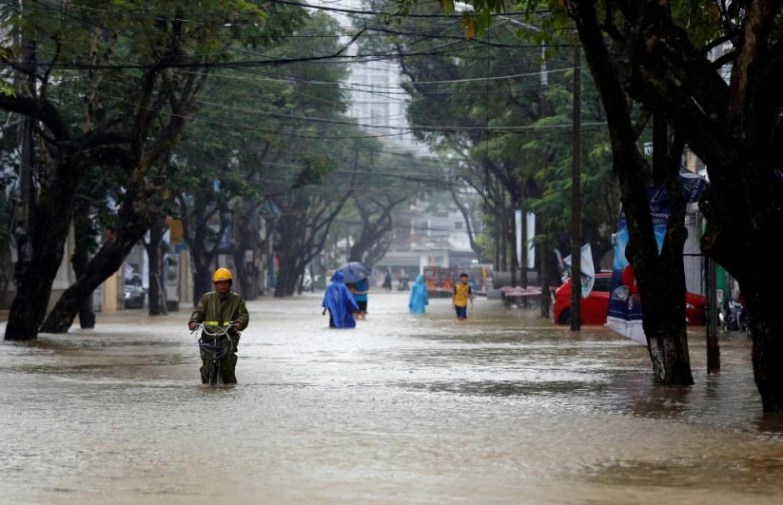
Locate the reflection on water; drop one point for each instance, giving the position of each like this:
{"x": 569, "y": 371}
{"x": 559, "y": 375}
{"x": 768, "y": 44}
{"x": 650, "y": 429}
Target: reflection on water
{"x": 503, "y": 408}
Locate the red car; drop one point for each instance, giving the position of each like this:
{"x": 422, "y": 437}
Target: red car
{"x": 596, "y": 304}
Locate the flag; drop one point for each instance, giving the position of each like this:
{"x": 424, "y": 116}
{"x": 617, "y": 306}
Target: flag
{"x": 587, "y": 268}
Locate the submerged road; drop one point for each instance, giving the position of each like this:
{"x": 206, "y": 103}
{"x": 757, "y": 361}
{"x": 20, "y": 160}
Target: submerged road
{"x": 504, "y": 408}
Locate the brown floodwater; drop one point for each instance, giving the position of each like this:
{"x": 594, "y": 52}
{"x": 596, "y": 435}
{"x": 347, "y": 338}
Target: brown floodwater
{"x": 504, "y": 408}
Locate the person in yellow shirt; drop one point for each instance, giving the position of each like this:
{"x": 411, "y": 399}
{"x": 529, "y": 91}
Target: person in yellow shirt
{"x": 460, "y": 297}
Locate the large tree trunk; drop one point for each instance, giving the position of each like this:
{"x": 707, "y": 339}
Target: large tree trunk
{"x": 663, "y": 306}
{"x": 246, "y": 237}
{"x": 286, "y": 281}
{"x": 303, "y": 229}
{"x": 86, "y": 308}
{"x": 104, "y": 264}
{"x": 202, "y": 283}
{"x": 764, "y": 317}
{"x": 202, "y": 272}
{"x": 50, "y": 221}
{"x": 85, "y": 243}
{"x": 734, "y": 129}
{"x": 202, "y": 256}
{"x": 288, "y": 275}
{"x": 660, "y": 278}
{"x": 744, "y": 252}
{"x": 154, "y": 256}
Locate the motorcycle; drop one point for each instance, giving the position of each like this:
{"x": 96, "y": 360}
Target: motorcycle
{"x": 732, "y": 315}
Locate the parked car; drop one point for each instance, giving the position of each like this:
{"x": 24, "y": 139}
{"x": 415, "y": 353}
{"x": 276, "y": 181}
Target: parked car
{"x": 134, "y": 293}
{"x": 596, "y": 305}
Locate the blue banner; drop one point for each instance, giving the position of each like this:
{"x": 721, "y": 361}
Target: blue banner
{"x": 625, "y": 309}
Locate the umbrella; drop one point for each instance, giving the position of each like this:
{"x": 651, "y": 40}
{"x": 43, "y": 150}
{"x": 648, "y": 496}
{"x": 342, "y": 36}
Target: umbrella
{"x": 355, "y": 271}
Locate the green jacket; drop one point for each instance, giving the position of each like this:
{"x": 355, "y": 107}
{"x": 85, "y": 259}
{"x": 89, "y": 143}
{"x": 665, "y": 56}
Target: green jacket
{"x": 216, "y": 310}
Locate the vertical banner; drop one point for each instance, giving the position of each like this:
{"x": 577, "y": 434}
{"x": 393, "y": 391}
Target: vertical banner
{"x": 587, "y": 268}
{"x": 531, "y": 248}
{"x": 525, "y": 239}
{"x": 625, "y": 309}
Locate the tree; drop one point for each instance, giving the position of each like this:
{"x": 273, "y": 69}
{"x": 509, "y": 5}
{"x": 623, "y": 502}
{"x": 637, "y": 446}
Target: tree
{"x": 133, "y": 95}
{"x": 239, "y": 160}
{"x": 156, "y": 247}
{"x": 497, "y": 106}
{"x": 391, "y": 179}
{"x": 214, "y": 181}
{"x": 8, "y": 166}
{"x": 670, "y": 57}
{"x": 307, "y": 212}
{"x": 92, "y": 216}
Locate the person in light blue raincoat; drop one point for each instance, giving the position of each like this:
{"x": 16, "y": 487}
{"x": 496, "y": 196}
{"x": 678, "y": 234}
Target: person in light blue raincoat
{"x": 419, "y": 298}
{"x": 340, "y": 303}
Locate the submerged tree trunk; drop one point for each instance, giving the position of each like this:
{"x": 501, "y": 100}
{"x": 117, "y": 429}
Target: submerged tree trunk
{"x": 291, "y": 250}
{"x": 286, "y": 278}
{"x": 303, "y": 228}
{"x": 202, "y": 259}
{"x": 246, "y": 248}
{"x": 202, "y": 283}
{"x": 50, "y": 221}
{"x": 85, "y": 243}
{"x": 764, "y": 318}
{"x": 86, "y": 309}
{"x": 663, "y": 305}
{"x": 104, "y": 264}
{"x": 660, "y": 278}
{"x": 154, "y": 255}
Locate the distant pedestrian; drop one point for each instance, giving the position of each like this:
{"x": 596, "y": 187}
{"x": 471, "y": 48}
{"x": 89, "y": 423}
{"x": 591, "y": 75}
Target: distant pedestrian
{"x": 339, "y": 302}
{"x": 419, "y": 297}
{"x": 460, "y": 297}
{"x": 387, "y": 280}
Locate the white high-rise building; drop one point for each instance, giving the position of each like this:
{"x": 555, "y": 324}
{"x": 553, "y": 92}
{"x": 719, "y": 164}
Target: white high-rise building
{"x": 378, "y": 102}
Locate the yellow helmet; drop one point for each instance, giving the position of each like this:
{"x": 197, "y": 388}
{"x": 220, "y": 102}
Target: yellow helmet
{"x": 222, "y": 274}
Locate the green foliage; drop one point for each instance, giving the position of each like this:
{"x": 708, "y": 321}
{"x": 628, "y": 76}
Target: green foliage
{"x": 131, "y": 32}
{"x": 266, "y": 135}
{"x": 483, "y": 101}
{"x": 314, "y": 171}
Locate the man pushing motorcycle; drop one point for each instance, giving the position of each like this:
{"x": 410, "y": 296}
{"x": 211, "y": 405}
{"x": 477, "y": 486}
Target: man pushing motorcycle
{"x": 221, "y": 308}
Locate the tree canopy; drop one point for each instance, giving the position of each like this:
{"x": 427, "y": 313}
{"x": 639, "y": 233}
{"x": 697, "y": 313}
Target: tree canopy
{"x": 712, "y": 72}
{"x": 108, "y": 83}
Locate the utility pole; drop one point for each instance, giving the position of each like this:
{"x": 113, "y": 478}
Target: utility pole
{"x": 545, "y": 255}
{"x": 576, "y": 199}
{"x": 713, "y": 347}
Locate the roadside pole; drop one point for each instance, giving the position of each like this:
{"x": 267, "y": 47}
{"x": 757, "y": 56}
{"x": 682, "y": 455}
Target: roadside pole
{"x": 713, "y": 347}
{"x": 576, "y": 198}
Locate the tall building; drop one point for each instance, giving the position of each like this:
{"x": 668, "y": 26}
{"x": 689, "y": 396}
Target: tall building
{"x": 378, "y": 102}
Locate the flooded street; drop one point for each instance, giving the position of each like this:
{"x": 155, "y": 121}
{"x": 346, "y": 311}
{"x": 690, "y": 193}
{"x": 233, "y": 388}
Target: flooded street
{"x": 501, "y": 409}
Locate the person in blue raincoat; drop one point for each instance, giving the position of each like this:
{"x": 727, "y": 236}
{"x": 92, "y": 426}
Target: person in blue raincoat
{"x": 340, "y": 303}
{"x": 419, "y": 298}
